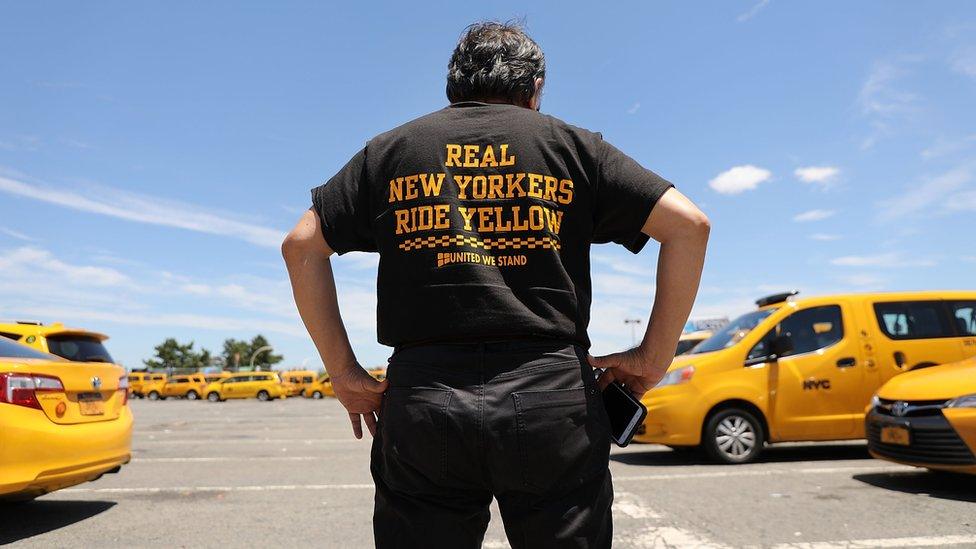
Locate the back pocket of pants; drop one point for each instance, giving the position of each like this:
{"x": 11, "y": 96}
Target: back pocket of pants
{"x": 556, "y": 438}
{"x": 414, "y": 433}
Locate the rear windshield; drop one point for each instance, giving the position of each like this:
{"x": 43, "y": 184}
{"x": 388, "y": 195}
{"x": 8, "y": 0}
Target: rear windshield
{"x": 78, "y": 348}
{"x": 9, "y": 349}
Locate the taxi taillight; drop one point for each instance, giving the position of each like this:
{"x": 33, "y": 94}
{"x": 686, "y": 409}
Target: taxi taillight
{"x": 124, "y": 387}
{"x": 22, "y": 389}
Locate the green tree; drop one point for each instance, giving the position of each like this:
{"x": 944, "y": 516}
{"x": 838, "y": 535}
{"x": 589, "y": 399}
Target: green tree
{"x": 237, "y": 353}
{"x": 173, "y": 354}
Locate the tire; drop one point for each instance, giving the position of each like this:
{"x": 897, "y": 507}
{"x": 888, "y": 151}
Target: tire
{"x": 263, "y": 396}
{"x": 214, "y": 396}
{"x": 733, "y": 436}
{"x": 192, "y": 395}
{"x": 317, "y": 395}
{"x": 153, "y": 395}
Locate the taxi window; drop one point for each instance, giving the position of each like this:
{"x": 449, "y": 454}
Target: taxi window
{"x": 78, "y": 348}
{"x": 913, "y": 319}
{"x": 307, "y": 379}
{"x": 9, "y": 349}
{"x": 810, "y": 329}
{"x": 964, "y": 315}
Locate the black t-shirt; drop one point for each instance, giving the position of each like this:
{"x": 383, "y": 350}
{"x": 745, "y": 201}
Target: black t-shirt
{"x": 483, "y": 216}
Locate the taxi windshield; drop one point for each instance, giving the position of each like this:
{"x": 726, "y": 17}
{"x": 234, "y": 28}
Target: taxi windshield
{"x": 733, "y": 333}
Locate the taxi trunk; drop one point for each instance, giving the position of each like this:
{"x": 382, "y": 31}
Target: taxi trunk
{"x": 61, "y": 423}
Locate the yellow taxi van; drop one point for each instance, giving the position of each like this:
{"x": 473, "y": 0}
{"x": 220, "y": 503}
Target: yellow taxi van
{"x": 74, "y": 344}
{"x": 259, "y": 385}
{"x": 139, "y": 382}
{"x": 297, "y": 381}
{"x": 61, "y": 423}
{"x": 188, "y": 386}
{"x": 799, "y": 369}
{"x": 319, "y": 388}
{"x": 927, "y": 418}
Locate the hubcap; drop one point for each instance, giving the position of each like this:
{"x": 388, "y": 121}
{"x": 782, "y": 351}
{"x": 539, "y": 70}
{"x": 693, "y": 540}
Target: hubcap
{"x": 735, "y": 437}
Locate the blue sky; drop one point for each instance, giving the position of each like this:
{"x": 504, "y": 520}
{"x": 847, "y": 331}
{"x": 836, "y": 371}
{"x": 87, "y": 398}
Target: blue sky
{"x": 152, "y": 156}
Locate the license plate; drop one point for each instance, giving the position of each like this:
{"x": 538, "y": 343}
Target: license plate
{"x": 896, "y": 434}
{"x": 91, "y": 404}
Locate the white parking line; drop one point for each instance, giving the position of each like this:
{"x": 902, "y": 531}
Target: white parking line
{"x": 743, "y": 472}
{"x": 925, "y": 541}
{"x": 225, "y": 459}
{"x": 249, "y": 441}
{"x": 192, "y": 489}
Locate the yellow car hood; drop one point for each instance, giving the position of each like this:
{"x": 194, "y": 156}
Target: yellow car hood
{"x": 935, "y": 383}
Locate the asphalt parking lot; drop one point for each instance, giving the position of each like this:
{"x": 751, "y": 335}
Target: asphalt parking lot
{"x": 246, "y": 473}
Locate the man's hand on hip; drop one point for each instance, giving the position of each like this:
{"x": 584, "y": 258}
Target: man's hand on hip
{"x": 361, "y": 395}
{"x": 635, "y": 369}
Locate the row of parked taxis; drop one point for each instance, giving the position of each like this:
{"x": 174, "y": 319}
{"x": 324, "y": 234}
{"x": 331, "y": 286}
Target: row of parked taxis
{"x": 220, "y": 386}
{"x": 897, "y": 368}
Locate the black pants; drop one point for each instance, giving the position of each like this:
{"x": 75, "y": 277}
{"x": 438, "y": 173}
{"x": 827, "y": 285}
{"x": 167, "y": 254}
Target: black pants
{"x": 522, "y": 422}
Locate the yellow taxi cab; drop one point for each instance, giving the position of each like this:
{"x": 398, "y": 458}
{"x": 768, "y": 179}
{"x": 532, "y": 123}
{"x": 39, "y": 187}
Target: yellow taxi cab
{"x": 802, "y": 369}
{"x": 297, "y": 381}
{"x": 61, "y": 423}
{"x": 319, "y": 388}
{"x": 927, "y": 418}
{"x": 378, "y": 373}
{"x": 260, "y": 385}
{"x": 139, "y": 380}
{"x": 687, "y": 341}
{"x": 188, "y": 386}
{"x": 73, "y": 344}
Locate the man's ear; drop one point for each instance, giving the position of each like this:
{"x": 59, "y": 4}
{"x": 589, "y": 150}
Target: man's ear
{"x": 536, "y": 100}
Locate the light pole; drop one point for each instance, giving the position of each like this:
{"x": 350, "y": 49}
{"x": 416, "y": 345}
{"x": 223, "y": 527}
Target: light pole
{"x": 258, "y": 351}
{"x": 634, "y": 322}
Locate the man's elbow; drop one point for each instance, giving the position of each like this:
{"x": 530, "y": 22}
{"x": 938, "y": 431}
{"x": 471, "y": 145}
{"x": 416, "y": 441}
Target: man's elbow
{"x": 700, "y": 224}
{"x": 297, "y": 245}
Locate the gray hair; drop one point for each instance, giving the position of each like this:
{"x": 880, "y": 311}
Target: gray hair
{"x": 494, "y": 61}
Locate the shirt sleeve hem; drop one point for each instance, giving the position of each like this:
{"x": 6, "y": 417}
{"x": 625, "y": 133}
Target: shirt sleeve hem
{"x": 640, "y": 239}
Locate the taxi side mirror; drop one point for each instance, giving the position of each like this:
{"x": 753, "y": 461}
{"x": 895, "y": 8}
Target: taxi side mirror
{"x": 782, "y": 345}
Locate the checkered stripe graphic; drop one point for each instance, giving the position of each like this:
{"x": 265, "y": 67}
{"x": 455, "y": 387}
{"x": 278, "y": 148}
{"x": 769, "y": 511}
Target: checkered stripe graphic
{"x": 514, "y": 243}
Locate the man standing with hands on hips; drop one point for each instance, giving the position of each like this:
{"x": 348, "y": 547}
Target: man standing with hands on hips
{"x": 483, "y": 214}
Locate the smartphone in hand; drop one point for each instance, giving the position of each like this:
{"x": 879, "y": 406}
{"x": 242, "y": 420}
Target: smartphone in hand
{"x": 626, "y": 413}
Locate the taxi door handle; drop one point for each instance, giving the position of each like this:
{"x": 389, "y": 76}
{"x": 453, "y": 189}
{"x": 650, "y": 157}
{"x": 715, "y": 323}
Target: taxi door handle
{"x": 846, "y": 362}
{"x": 900, "y": 359}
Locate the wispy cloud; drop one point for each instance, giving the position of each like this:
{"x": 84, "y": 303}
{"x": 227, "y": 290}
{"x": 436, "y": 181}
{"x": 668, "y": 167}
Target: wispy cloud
{"x": 882, "y": 101}
{"x": 944, "y": 147}
{"x": 813, "y": 215}
{"x": 824, "y": 176}
{"x": 931, "y": 192}
{"x": 885, "y": 260}
{"x": 148, "y": 209}
{"x": 753, "y": 11}
{"x": 634, "y": 108}
{"x": 964, "y": 62}
{"x": 825, "y": 237}
{"x": 33, "y": 262}
{"x": 740, "y": 179}
{"x": 20, "y": 143}
{"x": 17, "y": 234}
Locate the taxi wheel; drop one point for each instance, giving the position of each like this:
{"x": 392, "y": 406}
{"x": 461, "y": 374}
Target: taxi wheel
{"x": 264, "y": 396}
{"x": 153, "y": 395}
{"x": 317, "y": 395}
{"x": 733, "y": 436}
{"x": 213, "y": 397}
{"x": 192, "y": 395}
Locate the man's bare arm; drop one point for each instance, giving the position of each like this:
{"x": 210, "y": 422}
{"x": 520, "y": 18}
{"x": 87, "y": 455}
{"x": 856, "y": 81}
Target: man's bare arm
{"x": 682, "y": 229}
{"x": 306, "y": 255}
